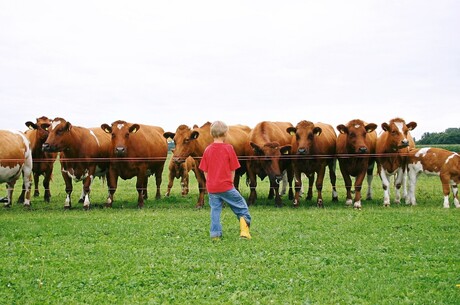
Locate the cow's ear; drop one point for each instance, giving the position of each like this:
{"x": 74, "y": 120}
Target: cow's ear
{"x": 106, "y": 128}
{"x": 411, "y": 125}
{"x": 195, "y": 134}
{"x": 385, "y": 126}
{"x": 371, "y": 127}
{"x": 68, "y": 126}
{"x": 257, "y": 150}
{"x": 286, "y": 150}
{"x": 31, "y": 125}
{"x": 134, "y": 128}
{"x": 342, "y": 128}
{"x": 317, "y": 131}
{"x": 291, "y": 130}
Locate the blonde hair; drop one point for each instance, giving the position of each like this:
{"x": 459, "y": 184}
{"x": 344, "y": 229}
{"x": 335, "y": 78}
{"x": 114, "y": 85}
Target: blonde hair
{"x": 218, "y": 129}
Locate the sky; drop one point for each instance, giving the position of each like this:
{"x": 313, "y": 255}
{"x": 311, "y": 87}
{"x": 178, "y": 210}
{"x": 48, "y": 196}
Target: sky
{"x": 167, "y": 63}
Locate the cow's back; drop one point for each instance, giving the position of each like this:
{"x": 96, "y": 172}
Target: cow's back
{"x": 266, "y": 132}
{"x": 238, "y": 137}
{"x": 149, "y": 142}
{"x": 14, "y": 153}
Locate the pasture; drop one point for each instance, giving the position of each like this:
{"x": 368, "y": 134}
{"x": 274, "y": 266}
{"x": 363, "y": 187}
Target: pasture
{"x": 162, "y": 254}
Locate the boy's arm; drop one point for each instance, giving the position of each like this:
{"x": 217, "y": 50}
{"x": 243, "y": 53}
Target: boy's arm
{"x": 233, "y": 175}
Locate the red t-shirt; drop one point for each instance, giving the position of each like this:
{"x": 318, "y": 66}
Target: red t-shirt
{"x": 219, "y": 160}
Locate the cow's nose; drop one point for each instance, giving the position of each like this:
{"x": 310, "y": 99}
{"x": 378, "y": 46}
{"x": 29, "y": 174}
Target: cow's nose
{"x": 46, "y": 147}
{"x": 363, "y": 149}
{"x": 119, "y": 150}
{"x": 278, "y": 179}
{"x": 405, "y": 142}
{"x": 302, "y": 150}
{"x": 178, "y": 160}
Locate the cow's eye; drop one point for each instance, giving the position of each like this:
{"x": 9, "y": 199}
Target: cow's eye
{"x": 113, "y": 136}
{"x": 126, "y": 135}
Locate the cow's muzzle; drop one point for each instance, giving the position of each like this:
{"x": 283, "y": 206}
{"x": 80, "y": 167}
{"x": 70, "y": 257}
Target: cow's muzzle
{"x": 46, "y": 147}
{"x": 120, "y": 151}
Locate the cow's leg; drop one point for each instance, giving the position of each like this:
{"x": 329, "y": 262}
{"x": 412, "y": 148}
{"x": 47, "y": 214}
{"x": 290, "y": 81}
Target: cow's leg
{"x": 46, "y": 186}
{"x": 348, "y": 184}
{"x": 319, "y": 185}
{"x": 455, "y": 193}
{"x": 23, "y": 192}
{"x": 140, "y": 187}
{"x": 158, "y": 180}
{"x": 171, "y": 178}
{"x": 311, "y": 181}
{"x": 68, "y": 190}
{"x": 290, "y": 175}
{"x": 399, "y": 180}
{"x": 9, "y": 193}
{"x": 36, "y": 180}
{"x": 184, "y": 183}
{"x": 358, "y": 185}
{"x": 252, "y": 186}
{"x": 284, "y": 183}
{"x": 385, "y": 185}
{"x": 445, "y": 189}
{"x": 412, "y": 177}
{"x": 370, "y": 177}
{"x": 201, "y": 188}
{"x": 112, "y": 182}
{"x": 332, "y": 175}
{"x": 86, "y": 191}
{"x": 297, "y": 186}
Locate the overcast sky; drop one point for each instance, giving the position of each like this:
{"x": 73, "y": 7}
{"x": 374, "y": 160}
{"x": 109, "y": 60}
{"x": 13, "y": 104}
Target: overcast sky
{"x": 168, "y": 63}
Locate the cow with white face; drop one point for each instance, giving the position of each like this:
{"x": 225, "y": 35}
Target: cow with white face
{"x": 435, "y": 161}
{"x": 392, "y": 147}
{"x": 355, "y": 147}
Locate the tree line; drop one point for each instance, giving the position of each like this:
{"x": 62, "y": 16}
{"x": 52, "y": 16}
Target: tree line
{"x": 449, "y": 136}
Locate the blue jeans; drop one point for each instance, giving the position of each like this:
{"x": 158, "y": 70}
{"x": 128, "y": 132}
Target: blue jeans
{"x": 236, "y": 202}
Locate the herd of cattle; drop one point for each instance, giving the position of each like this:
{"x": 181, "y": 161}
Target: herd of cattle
{"x": 277, "y": 150}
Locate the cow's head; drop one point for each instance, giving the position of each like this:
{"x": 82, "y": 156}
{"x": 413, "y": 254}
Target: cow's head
{"x": 42, "y": 133}
{"x": 269, "y": 156}
{"x": 185, "y": 142}
{"x": 59, "y": 137}
{"x": 121, "y": 132}
{"x": 398, "y": 133}
{"x": 356, "y": 132}
{"x": 305, "y": 133}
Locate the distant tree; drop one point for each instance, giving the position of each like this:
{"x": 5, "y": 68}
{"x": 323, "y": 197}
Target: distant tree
{"x": 449, "y": 136}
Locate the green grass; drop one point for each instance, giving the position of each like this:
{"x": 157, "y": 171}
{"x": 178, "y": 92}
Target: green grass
{"x": 163, "y": 255}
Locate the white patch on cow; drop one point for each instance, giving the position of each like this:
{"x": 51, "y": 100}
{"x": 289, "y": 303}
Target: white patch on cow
{"x": 97, "y": 140}
{"x": 357, "y": 126}
{"x": 8, "y": 174}
{"x": 67, "y": 201}
{"x": 446, "y": 202}
{"x": 400, "y": 126}
{"x": 120, "y": 126}
{"x": 451, "y": 157}
{"x": 54, "y": 124}
{"x": 422, "y": 152}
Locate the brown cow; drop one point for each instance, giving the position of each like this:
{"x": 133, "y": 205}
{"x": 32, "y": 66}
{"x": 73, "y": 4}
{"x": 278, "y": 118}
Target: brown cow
{"x": 43, "y": 162}
{"x": 83, "y": 155}
{"x": 139, "y": 151}
{"x": 392, "y": 146}
{"x": 180, "y": 171}
{"x": 355, "y": 144}
{"x": 314, "y": 146}
{"x": 435, "y": 161}
{"x": 193, "y": 142}
{"x": 270, "y": 143}
{"x": 15, "y": 159}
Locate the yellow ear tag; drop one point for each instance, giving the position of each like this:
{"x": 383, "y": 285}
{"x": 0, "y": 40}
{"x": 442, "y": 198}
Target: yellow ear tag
{"x": 292, "y": 133}
{"x": 134, "y": 130}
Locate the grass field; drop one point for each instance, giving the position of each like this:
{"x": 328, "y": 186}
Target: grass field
{"x": 162, "y": 254}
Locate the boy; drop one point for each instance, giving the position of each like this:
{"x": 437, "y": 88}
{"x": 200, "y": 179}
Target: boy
{"x": 219, "y": 163}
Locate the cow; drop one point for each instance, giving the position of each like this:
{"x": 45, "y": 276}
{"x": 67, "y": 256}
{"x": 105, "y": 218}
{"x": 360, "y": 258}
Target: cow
{"x": 139, "y": 151}
{"x": 270, "y": 145}
{"x": 314, "y": 149}
{"x": 180, "y": 171}
{"x": 435, "y": 161}
{"x": 83, "y": 155}
{"x": 43, "y": 162}
{"x": 391, "y": 149}
{"x": 15, "y": 160}
{"x": 355, "y": 147}
{"x": 193, "y": 142}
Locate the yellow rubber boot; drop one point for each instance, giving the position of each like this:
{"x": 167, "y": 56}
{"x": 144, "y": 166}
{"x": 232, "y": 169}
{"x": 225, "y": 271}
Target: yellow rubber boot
{"x": 244, "y": 229}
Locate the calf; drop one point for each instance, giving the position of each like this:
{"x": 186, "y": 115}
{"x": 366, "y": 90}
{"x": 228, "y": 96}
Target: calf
{"x": 268, "y": 157}
{"x": 136, "y": 151}
{"x": 435, "y": 161}
{"x": 84, "y": 155}
{"x": 43, "y": 162}
{"x": 180, "y": 171}
{"x": 15, "y": 159}
{"x": 193, "y": 142}
{"x": 392, "y": 146}
{"x": 314, "y": 146}
{"x": 355, "y": 145}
